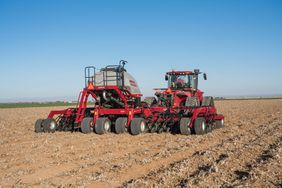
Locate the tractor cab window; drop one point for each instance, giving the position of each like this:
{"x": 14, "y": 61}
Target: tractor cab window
{"x": 181, "y": 81}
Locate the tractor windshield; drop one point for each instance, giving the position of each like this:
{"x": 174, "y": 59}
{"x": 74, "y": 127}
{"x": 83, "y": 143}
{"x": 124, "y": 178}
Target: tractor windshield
{"x": 181, "y": 81}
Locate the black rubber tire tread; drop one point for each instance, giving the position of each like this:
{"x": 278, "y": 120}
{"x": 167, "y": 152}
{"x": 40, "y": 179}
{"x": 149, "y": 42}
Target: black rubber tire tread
{"x": 184, "y": 126}
{"x": 46, "y": 125}
{"x": 100, "y": 125}
{"x": 192, "y": 102}
{"x": 120, "y": 125}
{"x": 208, "y": 101}
{"x": 38, "y": 126}
{"x": 135, "y": 127}
{"x": 150, "y": 101}
{"x": 198, "y": 126}
{"x": 219, "y": 124}
{"x": 86, "y": 125}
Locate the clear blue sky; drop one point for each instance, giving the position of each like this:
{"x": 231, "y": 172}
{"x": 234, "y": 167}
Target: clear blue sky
{"x": 44, "y": 45}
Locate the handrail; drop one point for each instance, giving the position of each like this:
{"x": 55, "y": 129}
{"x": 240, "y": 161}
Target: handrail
{"x": 88, "y": 76}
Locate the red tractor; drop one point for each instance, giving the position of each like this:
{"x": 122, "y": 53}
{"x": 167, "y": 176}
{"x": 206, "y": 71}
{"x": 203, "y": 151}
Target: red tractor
{"x": 117, "y": 106}
{"x": 182, "y": 107}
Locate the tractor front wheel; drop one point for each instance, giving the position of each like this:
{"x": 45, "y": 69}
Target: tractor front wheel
{"x": 137, "y": 126}
{"x": 219, "y": 123}
{"x": 102, "y": 126}
{"x": 49, "y": 125}
{"x": 200, "y": 126}
{"x": 87, "y": 125}
{"x": 120, "y": 125}
{"x": 184, "y": 126}
{"x": 38, "y": 128}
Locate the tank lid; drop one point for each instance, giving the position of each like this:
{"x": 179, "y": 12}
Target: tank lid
{"x": 114, "y": 69}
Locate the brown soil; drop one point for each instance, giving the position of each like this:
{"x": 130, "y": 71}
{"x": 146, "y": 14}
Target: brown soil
{"x": 246, "y": 152}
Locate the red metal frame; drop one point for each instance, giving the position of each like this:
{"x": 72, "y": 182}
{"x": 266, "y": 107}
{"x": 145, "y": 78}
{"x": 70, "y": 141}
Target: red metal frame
{"x": 151, "y": 114}
{"x": 124, "y": 94}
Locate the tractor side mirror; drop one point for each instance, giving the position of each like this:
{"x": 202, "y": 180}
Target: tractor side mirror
{"x": 166, "y": 77}
{"x": 205, "y": 76}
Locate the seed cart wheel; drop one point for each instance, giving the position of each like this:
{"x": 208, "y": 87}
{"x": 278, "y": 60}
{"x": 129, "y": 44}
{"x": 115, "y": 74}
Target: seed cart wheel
{"x": 200, "y": 125}
{"x": 120, "y": 125}
{"x": 137, "y": 126}
{"x": 102, "y": 126}
{"x": 49, "y": 125}
{"x": 184, "y": 126}
{"x": 219, "y": 123}
{"x": 87, "y": 125}
{"x": 38, "y": 128}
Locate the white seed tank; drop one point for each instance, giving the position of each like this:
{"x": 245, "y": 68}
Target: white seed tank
{"x": 116, "y": 77}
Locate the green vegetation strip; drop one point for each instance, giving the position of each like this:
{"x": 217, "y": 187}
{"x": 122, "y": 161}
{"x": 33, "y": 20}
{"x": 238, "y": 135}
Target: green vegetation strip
{"x": 27, "y": 105}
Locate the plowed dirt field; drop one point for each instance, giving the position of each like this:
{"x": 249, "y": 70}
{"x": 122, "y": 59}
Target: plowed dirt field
{"x": 246, "y": 152}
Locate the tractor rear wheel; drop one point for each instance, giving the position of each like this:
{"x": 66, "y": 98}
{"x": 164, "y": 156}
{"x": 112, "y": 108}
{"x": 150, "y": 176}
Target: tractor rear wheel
{"x": 137, "y": 126}
{"x": 208, "y": 101}
{"x": 200, "y": 126}
{"x": 184, "y": 126}
{"x": 87, "y": 125}
{"x": 120, "y": 125}
{"x": 49, "y": 125}
{"x": 219, "y": 123}
{"x": 38, "y": 128}
{"x": 102, "y": 126}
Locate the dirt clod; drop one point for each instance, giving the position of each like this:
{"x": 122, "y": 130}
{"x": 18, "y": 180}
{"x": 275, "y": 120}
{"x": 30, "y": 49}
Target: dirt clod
{"x": 241, "y": 175}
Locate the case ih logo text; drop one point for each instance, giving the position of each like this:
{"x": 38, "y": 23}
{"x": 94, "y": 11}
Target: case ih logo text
{"x": 132, "y": 83}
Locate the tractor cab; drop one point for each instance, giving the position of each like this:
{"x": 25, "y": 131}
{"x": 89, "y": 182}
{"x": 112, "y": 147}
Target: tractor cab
{"x": 183, "y": 80}
{"x": 180, "y": 80}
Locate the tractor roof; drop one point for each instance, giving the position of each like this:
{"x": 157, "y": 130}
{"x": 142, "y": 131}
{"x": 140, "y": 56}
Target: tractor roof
{"x": 180, "y": 72}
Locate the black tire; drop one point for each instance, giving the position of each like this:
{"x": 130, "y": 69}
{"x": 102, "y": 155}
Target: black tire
{"x": 150, "y": 101}
{"x": 49, "y": 125}
{"x": 192, "y": 102}
{"x": 102, "y": 125}
{"x": 219, "y": 123}
{"x": 200, "y": 126}
{"x": 184, "y": 126}
{"x": 208, "y": 101}
{"x": 137, "y": 126}
{"x": 120, "y": 125}
{"x": 38, "y": 128}
{"x": 87, "y": 125}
